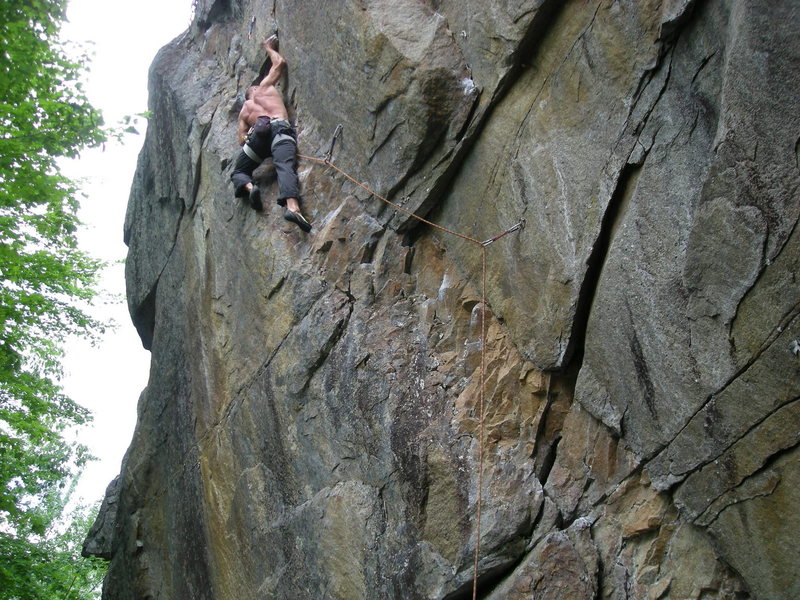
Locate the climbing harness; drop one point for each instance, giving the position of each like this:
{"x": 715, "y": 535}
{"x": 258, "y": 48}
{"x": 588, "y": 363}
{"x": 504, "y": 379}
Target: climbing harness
{"x": 327, "y": 161}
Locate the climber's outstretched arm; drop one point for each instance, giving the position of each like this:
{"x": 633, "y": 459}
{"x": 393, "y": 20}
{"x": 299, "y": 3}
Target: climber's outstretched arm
{"x": 278, "y": 63}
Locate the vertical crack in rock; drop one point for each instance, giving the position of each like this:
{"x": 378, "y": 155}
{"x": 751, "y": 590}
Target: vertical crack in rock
{"x": 797, "y": 154}
{"x": 624, "y": 190}
{"x": 480, "y": 113}
{"x": 328, "y": 345}
{"x": 198, "y": 163}
{"x": 144, "y": 313}
{"x": 529, "y": 45}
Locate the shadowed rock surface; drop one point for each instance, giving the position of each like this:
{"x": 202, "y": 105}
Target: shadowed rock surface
{"x": 310, "y": 427}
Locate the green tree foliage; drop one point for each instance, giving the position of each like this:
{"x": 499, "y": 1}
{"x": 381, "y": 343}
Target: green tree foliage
{"x": 45, "y": 280}
{"x": 46, "y": 564}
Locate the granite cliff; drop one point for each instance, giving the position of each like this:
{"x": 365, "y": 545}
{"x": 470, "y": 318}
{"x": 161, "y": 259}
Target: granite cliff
{"x": 310, "y": 428}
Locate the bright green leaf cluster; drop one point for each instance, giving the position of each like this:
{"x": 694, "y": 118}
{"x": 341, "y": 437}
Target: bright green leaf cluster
{"x": 45, "y": 280}
{"x": 44, "y": 561}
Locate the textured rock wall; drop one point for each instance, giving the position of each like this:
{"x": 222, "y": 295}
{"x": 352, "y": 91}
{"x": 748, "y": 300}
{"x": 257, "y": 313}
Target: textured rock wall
{"x": 310, "y": 428}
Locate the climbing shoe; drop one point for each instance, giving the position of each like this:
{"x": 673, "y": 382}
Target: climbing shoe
{"x": 255, "y": 198}
{"x": 298, "y": 219}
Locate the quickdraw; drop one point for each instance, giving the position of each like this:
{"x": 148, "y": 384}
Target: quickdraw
{"x": 518, "y": 226}
{"x": 337, "y": 132}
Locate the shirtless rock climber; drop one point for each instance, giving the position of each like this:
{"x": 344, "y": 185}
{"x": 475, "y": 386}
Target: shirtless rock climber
{"x": 264, "y": 130}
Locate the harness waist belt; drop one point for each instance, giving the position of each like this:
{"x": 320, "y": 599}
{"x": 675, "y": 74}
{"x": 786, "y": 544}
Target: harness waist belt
{"x": 251, "y": 154}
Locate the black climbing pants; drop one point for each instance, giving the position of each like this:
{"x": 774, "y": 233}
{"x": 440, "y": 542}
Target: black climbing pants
{"x": 269, "y": 137}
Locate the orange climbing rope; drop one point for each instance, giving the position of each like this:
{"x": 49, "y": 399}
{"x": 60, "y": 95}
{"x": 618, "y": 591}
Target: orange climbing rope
{"x": 480, "y": 426}
{"x": 328, "y": 163}
{"x": 481, "y": 397}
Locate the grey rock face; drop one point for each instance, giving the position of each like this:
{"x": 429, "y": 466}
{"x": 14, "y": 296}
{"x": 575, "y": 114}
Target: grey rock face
{"x": 311, "y": 427}
{"x": 99, "y": 540}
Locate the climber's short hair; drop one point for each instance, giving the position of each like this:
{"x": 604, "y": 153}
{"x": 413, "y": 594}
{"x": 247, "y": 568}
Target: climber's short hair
{"x": 250, "y": 91}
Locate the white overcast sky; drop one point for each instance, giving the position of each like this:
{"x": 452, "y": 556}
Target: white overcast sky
{"x": 108, "y": 378}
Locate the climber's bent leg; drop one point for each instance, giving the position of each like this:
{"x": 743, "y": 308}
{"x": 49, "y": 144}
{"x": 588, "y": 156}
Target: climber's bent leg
{"x": 242, "y": 176}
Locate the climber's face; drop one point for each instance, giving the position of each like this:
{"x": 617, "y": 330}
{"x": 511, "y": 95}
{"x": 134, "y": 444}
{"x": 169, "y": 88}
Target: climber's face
{"x": 250, "y": 91}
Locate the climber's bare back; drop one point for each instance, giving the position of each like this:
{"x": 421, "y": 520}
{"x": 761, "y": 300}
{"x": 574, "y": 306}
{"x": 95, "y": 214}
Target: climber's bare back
{"x": 265, "y": 102}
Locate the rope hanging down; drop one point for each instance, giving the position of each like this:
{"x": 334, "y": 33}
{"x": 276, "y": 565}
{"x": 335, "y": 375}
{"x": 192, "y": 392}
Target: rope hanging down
{"x": 481, "y": 397}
